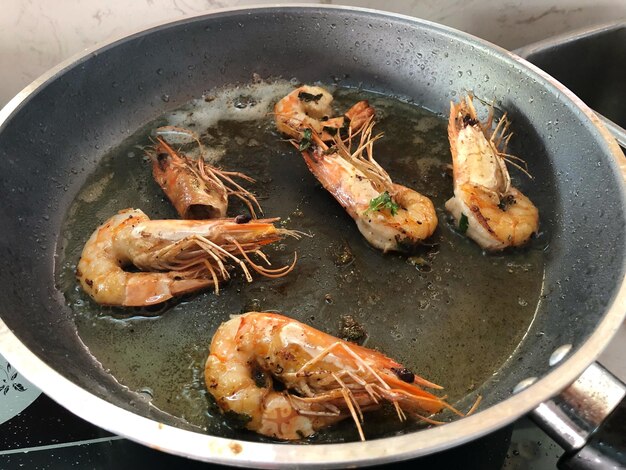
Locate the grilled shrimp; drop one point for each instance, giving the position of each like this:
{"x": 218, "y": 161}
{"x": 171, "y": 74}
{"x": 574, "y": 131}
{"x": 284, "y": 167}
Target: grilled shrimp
{"x": 177, "y": 256}
{"x": 196, "y": 189}
{"x": 390, "y": 216}
{"x": 322, "y": 379}
{"x": 309, "y": 107}
{"x": 485, "y": 205}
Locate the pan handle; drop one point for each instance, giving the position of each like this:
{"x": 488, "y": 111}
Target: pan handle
{"x": 619, "y": 133}
{"x": 588, "y": 420}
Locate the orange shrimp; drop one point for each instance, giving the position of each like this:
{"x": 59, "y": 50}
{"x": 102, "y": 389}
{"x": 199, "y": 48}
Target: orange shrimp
{"x": 309, "y": 107}
{"x": 390, "y": 216}
{"x": 176, "y": 256}
{"x": 196, "y": 189}
{"x": 323, "y": 379}
{"x": 485, "y": 205}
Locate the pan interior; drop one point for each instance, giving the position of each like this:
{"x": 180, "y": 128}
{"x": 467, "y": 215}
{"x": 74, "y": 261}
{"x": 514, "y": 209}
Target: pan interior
{"x": 449, "y": 312}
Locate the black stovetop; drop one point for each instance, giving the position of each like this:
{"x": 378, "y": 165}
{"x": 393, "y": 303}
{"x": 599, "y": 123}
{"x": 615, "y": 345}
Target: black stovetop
{"x": 46, "y": 436}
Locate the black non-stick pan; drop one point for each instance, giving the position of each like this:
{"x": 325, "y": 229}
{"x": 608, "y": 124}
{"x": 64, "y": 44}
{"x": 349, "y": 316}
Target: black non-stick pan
{"x": 516, "y": 327}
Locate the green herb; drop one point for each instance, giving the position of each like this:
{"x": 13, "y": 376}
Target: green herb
{"x": 308, "y": 97}
{"x": 463, "y": 223}
{"x": 305, "y": 143}
{"x": 383, "y": 201}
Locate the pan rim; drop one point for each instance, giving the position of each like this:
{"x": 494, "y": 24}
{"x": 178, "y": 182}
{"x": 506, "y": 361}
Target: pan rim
{"x": 245, "y": 453}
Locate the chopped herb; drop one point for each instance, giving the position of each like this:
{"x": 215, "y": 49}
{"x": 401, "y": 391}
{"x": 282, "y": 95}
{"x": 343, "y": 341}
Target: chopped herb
{"x": 463, "y": 223}
{"x": 308, "y": 97}
{"x": 305, "y": 143}
{"x": 383, "y": 201}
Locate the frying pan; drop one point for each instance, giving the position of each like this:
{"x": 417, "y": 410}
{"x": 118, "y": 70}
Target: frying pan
{"x": 55, "y": 132}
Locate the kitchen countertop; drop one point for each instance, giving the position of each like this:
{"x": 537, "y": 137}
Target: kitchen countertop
{"x": 37, "y": 34}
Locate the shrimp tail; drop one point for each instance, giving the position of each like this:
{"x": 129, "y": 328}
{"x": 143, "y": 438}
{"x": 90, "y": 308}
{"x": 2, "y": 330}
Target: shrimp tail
{"x": 145, "y": 290}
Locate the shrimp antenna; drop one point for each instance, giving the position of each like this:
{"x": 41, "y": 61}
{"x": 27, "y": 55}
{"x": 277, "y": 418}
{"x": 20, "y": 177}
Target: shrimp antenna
{"x": 523, "y": 168}
{"x": 271, "y": 273}
{"x": 474, "y": 407}
{"x": 489, "y": 104}
{"x": 369, "y": 166}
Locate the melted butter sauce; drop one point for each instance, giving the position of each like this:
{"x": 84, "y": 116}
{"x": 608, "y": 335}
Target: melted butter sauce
{"x": 449, "y": 313}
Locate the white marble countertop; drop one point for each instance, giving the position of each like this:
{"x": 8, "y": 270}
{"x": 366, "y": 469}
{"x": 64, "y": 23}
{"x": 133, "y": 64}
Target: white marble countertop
{"x": 37, "y": 34}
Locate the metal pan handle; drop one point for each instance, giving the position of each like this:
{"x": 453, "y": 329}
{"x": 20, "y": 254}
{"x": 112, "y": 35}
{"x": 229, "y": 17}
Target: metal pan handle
{"x": 588, "y": 420}
{"x": 618, "y": 132}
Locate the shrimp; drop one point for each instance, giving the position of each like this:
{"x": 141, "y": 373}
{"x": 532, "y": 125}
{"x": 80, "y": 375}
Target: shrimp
{"x": 322, "y": 379}
{"x": 390, "y": 216}
{"x": 309, "y": 107}
{"x": 196, "y": 189}
{"x": 485, "y": 205}
{"x": 177, "y": 256}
